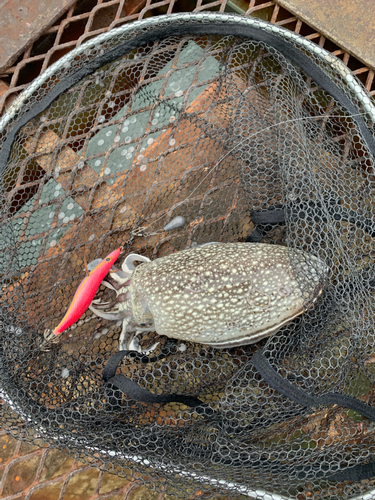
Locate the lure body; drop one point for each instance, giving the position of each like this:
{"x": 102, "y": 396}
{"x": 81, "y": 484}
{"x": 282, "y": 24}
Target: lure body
{"x": 86, "y": 292}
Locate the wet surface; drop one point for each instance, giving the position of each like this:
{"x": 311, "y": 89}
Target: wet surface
{"x": 22, "y": 21}
{"x": 33, "y": 473}
{"x": 346, "y": 22}
{"x": 49, "y": 474}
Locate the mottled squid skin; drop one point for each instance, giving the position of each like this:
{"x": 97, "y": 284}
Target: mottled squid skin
{"x": 222, "y": 295}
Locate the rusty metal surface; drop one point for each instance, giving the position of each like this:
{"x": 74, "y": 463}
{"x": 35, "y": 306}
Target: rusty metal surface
{"x": 87, "y": 18}
{"x": 32, "y": 472}
{"x": 22, "y": 21}
{"x": 29, "y": 472}
{"x": 349, "y": 23}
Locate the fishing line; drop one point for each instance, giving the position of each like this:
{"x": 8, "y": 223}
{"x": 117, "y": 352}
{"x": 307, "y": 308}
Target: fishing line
{"x": 224, "y": 156}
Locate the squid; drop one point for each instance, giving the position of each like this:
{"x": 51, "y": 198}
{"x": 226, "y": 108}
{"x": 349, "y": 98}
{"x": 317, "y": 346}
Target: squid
{"x": 219, "y": 294}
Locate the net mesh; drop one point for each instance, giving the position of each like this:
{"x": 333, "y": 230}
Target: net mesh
{"x": 211, "y": 128}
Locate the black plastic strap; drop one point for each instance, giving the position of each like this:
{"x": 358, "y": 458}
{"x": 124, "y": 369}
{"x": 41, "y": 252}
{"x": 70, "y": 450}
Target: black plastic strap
{"x": 138, "y": 393}
{"x": 256, "y": 236}
{"x": 259, "y": 233}
{"x": 273, "y": 215}
{"x": 275, "y": 380}
{"x": 356, "y": 473}
{"x": 313, "y": 211}
{"x": 110, "y": 368}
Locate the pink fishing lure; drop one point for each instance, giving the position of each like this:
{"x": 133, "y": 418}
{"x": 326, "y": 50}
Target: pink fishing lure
{"x": 86, "y": 292}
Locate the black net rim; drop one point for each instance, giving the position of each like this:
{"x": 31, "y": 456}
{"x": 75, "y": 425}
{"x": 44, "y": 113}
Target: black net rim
{"x": 160, "y": 26}
{"x": 329, "y": 62}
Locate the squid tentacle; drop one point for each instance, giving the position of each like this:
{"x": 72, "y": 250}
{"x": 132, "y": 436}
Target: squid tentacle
{"x": 128, "y": 265}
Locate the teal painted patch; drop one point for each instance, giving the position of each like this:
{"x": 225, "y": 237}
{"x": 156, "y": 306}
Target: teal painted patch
{"x": 28, "y": 253}
{"x": 105, "y": 158}
{"x": 42, "y": 220}
{"x": 121, "y": 158}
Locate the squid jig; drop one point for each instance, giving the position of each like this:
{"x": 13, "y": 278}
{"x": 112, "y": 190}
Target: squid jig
{"x": 82, "y": 298}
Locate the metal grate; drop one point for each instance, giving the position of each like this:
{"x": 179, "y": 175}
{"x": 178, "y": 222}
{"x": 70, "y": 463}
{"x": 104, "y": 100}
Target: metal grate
{"x": 88, "y": 18}
{"x": 28, "y": 177}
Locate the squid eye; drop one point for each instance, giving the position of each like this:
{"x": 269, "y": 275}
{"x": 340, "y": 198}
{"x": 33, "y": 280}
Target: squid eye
{"x": 107, "y": 259}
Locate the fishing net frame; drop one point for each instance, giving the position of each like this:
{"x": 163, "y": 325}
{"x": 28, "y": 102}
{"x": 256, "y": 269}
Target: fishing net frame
{"x": 52, "y": 422}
